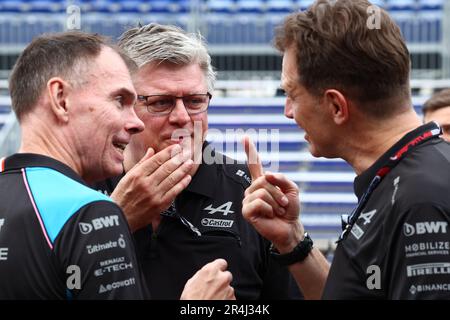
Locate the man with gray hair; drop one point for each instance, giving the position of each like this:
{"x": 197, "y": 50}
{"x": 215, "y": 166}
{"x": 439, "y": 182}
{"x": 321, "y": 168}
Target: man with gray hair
{"x": 59, "y": 239}
{"x": 188, "y": 213}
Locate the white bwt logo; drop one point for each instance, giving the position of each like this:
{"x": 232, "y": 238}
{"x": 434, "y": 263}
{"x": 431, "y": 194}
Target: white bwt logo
{"x": 99, "y": 223}
{"x": 425, "y": 227}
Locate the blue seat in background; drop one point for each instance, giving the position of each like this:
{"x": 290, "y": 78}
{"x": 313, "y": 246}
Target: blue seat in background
{"x": 135, "y": 6}
{"x": 221, "y": 6}
{"x": 401, "y": 5}
{"x": 14, "y": 6}
{"x": 431, "y": 4}
{"x": 251, "y": 6}
{"x": 280, "y": 6}
{"x": 47, "y": 6}
{"x": 184, "y": 6}
{"x": 304, "y": 4}
{"x": 105, "y": 6}
{"x": 164, "y": 6}
{"x": 379, "y": 3}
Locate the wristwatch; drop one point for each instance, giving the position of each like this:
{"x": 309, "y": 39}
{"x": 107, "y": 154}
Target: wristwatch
{"x": 298, "y": 254}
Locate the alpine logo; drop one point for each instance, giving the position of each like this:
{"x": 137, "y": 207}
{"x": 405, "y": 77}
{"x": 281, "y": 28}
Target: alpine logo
{"x": 425, "y": 227}
{"x": 224, "y": 208}
{"x": 221, "y": 223}
{"x": 99, "y": 223}
{"x": 367, "y": 216}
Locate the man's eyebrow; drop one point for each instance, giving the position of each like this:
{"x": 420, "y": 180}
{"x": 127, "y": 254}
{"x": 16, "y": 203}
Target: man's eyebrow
{"x": 286, "y": 86}
{"x": 125, "y": 92}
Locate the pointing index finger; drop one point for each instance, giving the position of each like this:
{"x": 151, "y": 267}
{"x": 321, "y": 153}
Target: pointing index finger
{"x": 253, "y": 161}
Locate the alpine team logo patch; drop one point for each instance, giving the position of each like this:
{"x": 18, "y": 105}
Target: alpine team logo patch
{"x": 225, "y": 208}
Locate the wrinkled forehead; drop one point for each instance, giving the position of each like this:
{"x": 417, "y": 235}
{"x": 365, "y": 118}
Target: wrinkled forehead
{"x": 162, "y": 76}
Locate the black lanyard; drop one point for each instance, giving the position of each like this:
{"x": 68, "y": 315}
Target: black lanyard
{"x": 349, "y": 221}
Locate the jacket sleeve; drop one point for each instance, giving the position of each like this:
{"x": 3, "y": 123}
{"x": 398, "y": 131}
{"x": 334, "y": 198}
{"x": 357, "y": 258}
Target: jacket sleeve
{"x": 278, "y": 283}
{"x": 96, "y": 255}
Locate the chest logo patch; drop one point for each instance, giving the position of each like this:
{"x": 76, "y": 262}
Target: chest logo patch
{"x": 225, "y": 208}
{"x": 221, "y": 223}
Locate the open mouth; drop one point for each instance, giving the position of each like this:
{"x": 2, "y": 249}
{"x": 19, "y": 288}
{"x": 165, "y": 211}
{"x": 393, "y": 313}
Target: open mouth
{"x": 120, "y": 146}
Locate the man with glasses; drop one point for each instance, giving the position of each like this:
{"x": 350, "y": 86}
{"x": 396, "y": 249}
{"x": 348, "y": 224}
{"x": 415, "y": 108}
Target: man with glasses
{"x": 73, "y": 96}
{"x": 185, "y": 210}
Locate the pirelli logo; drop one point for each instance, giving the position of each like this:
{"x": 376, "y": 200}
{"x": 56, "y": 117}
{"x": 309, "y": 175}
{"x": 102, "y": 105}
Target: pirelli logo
{"x": 428, "y": 269}
{"x": 221, "y": 223}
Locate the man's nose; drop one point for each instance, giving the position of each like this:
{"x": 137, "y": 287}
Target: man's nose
{"x": 134, "y": 124}
{"x": 288, "y": 110}
{"x": 179, "y": 113}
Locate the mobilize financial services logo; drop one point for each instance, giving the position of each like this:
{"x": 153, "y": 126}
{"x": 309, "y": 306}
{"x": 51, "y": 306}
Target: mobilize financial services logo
{"x": 99, "y": 223}
{"x": 425, "y": 227}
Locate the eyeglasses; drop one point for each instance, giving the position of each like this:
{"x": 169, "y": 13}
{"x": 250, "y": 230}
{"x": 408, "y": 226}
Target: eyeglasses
{"x": 163, "y": 104}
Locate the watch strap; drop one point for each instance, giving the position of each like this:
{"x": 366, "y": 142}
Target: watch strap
{"x": 298, "y": 254}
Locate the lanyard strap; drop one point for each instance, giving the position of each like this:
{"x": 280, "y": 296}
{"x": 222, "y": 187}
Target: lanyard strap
{"x": 349, "y": 221}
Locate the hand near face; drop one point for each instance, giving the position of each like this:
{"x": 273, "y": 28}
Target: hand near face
{"x": 212, "y": 282}
{"x": 271, "y": 204}
{"x": 152, "y": 184}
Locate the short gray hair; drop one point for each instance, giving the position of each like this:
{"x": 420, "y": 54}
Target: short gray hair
{"x": 167, "y": 43}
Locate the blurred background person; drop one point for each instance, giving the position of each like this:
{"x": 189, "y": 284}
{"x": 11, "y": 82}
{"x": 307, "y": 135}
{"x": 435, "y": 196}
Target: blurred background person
{"x": 437, "y": 108}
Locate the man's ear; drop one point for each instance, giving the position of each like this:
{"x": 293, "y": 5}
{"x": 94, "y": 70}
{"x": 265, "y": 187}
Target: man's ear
{"x": 57, "y": 90}
{"x": 338, "y": 106}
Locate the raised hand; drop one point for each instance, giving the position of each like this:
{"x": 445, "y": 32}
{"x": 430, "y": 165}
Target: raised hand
{"x": 152, "y": 184}
{"x": 271, "y": 204}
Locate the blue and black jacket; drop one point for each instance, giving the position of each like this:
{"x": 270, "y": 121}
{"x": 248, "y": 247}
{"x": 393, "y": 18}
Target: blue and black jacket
{"x": 59, "y": 239}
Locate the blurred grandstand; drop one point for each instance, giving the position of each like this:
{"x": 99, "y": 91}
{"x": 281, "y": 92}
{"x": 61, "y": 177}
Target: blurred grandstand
{"x": 239, "y": 34}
